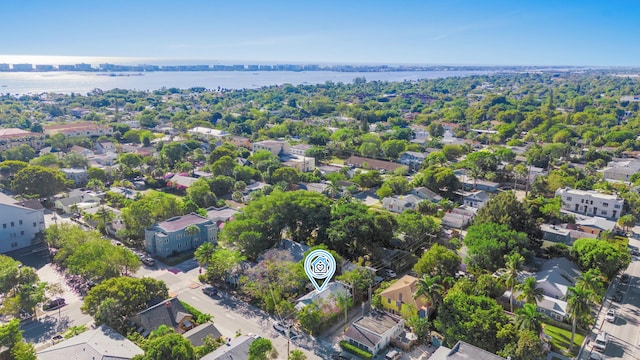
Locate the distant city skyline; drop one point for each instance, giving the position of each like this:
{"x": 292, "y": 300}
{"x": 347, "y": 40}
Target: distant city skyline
{"x": 428, "y": 32}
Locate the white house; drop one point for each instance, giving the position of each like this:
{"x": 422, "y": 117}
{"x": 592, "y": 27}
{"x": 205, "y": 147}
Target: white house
{"x": 273, "y": 146}
{"x": 399, "y": 204}
{"x": 332, "y": 290}
{"x": 105, "y": 147}
{"x": 620, "y": 170}
{"x": 475, "y": 199}
{"x": 374, "y": 331}
{"x": 20, "y": 222}
{"x": 78, "y": 176}
{"x": 592, "y": 203}
{"x": 207, "y": 133}
{"x": 426, "y": 194}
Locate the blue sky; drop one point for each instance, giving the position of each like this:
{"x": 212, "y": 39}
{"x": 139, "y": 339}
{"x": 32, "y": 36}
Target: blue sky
{"x": 515, "y": 32}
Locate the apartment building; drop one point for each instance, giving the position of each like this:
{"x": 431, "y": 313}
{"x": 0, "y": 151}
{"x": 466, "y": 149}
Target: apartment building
{"x": 591, "y": 202}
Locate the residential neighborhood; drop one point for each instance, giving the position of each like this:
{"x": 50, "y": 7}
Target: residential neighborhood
{"x": 191, "y": 228}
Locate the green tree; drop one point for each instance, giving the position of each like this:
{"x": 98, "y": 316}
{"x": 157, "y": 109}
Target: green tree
{"x": 417, "y": 228}
{"x": 203, "y": 254}
{"x": 528, "y": 318}
{"x": 431, "y": 289}
{"x": 191, "y": 231}
{"x": 130, "y": 160}
{"x": 488, "y": 243}
{"x": 11, "y": 338}
{"x": 627, "y": 221}
{"x": 609, "y": 258}
{"x": 169, "y": 346}
{"x": 128, "y": 296}
{"x": 75, "y": 160}
{"x": 368, "y": 179}
{"x": 96, "y": 173}
{"x": 513, "y": 265}
{"x": 260, "y": 349}
{"x": 505, "y": 208}
{"x": 222, "y": 262}
{"x": 95, "y": 184}
{"x": 393, "y": 148}
{"x": 224, "y": 166}
{"x": 201, "y": 193}
{"x": 438, "y": 260}
{"x": 310, "y": 318}
{"x": 439, "y": 179}
{"x": 529, "y": 291}
{"x": 38, "y": 180}
{"x": 297, "y": 355}
{"x": 474, "y": 319}
{"x": 172, "y": 153}
{"x": 577, "y": 307}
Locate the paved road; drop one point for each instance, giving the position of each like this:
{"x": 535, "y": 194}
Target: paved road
{"x": 625, "y": 331}
{"x": 230, "y": 314}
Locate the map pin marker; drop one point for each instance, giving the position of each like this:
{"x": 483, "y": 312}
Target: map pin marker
{"x": 319, "y": 265}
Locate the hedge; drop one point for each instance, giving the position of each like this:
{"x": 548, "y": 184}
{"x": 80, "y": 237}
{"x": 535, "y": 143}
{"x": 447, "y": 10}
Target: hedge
{"x": 355, "y": 350}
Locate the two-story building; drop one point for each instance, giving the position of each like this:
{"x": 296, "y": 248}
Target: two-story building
{"x": 413, "y": 159}
{"x": 79, "y": 176}
{"x": 475, "y": 199}
{"x": 591, "y": 202}
{"x": 20, "y": 223}
{"x": 399, "y": 204}
{"x": 12, "y": 137}
{"x": 273, "y": 146}
{"x": 171, "y": 236}
{"x": 398, "y": 298}
{"x": 79, "y": 129}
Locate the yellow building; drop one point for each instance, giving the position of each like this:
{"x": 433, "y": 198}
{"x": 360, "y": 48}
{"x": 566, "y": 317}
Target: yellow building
{"x": 398, "y": 298}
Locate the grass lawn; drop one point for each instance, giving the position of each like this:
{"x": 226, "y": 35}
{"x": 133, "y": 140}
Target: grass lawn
{"x": 560, "y": 339}
{"x": 335, "y": 160}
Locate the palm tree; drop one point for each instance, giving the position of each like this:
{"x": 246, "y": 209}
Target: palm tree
{"x": 95, "y": 184}
{"x": 104, "y": 216}
{"x": 591, "y": 280}
{"x": 192, "y": 230}
{"x": 333, "y": 189}
{"x": 577, "y": 306}
{"x": 430, "y": 288}
{"x": 203, "y": 254}
{"x": 529, "y": 291}
{"x": 512, "y": 268}
{"x": 528, "y": 318}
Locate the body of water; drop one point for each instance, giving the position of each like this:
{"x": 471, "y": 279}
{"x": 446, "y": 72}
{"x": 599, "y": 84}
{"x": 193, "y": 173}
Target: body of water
{"x": 81, "y": 82}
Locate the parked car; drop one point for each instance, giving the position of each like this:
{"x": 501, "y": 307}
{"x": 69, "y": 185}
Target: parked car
{"x": 390, "y": 273}
{"x": 210, "y": 290}
{"x": 149, "y": 261}
{"x": 602, "y": 340}
{"x": 611, "y": 315}
{"x": 624, "y": 279}
{"x": 618, "y": 296}
{"x": 282, "y": 327}
{"x": 595, "y": 356}
{"x": 53, "y": 304}
{"x": 57, "y": 338}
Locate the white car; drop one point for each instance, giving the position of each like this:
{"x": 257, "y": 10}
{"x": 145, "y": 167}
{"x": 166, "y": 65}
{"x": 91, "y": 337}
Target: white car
{"x": 611, "y": 315}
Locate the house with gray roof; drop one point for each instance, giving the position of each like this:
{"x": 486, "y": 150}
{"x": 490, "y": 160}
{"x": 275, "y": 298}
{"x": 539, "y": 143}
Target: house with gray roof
{"x": 426, "y": 194}
{"x": 374, "y": 331}
{"x": 102, "y": 343}
{"x": 237, "y": 348}
{"x": 475, "y": 199}
{"x": 329, "y": 293}
{"x": 198, "y": 334}
{"x": 170, "y": 236}
{"x": 399, "y": 204}
{"x": 169, "y": 312}
{"x": 463, "y": 351}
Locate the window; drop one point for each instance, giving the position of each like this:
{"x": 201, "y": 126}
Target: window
{"x": 616, "y": 206}
{"x": 12, "y": 224}
{"x": 605, "y": 204}
{"x": 603, "y": 212}
{"x": 22, "y": 233}
{"x": 581, "y": 201}
{"x": 569, "y": 198}
{"x": 14, "y": 244}
{"x": 388, "y": 300}
{"x": 20, "y": 222}
{"x": 34, "y": 224}
{"x": 4, "y": 226}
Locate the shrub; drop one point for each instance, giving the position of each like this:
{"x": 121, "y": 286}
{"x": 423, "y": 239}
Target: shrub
{"x": 355, "y": 350}
{"x": 198, "y": 316}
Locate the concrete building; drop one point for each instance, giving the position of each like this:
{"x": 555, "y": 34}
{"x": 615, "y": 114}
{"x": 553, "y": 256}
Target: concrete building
{"x": 78, "y": 176}
{"x": 273, "y": 146}
{"x": 20, "y": 223}
{"x": 299, "y": 149}
{"x": 79, "y": 129}
{"x": 208, "y": 133}
{"x": 399, "y": 297}
{"x": 592, "y": 203}
{"x": 170, "y": 237}
{"x": 620, "y": 170}
{"x": 300, "y": 163}
{"x": 12, "y": 137}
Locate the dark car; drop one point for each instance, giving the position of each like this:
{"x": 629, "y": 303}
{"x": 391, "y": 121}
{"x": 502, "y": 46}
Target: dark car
{"x": 624, "y": 278}
{"x": 618, "y": 296}
{"x": 210, "y": 290}
{"x": 57, "y": 338}
{"x": 53, "y": 304}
